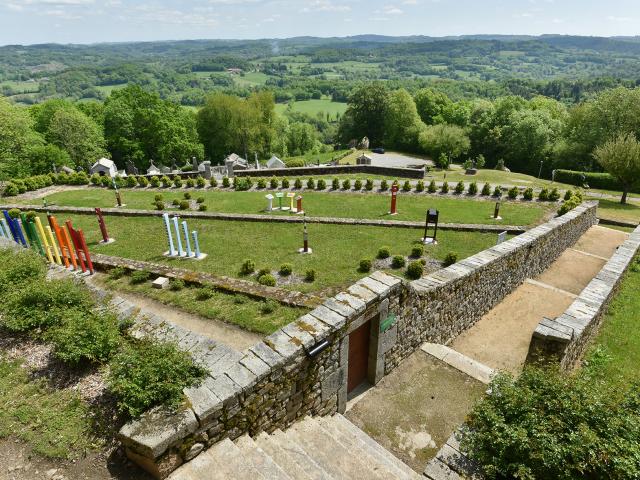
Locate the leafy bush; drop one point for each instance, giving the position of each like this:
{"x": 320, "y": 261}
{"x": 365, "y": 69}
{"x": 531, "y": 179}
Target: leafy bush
{"x": 432, "y": 187}
{"x": 213, "y": 182}
{"x": 261, "y": 183}
{"x": 568, "y": 194}
{"x": 85, "y": 337}
{"x": 528, "y": 194}
{"x": 297, "y": 184}
{"x": 158, "y": 197}
{"x": 242, "y": 184}
{"x": 473, "y": 188}
{"x": 117, "y": 273}
{"x": 420, "y": 186}
{"x": 398, "y": 261}
{"x": 406, "y": 186}
{"x": 248, "y": 267}
{"x": 187, "y": 195}
{"x": 365, "y": 265}
{"x": 202, "y": 207}
{"x": 273, "y": 183}
{"x": 143, "y": 181}
{"x": 554, "y": 196}
{"x": 486, "y": 190}
{"x": 19, "y": 268}
{"x": 10, "y": 190}
{"x": 175, "y": 202}
{"x": 190, "y": 182}
{"x": 384, "y": 186}
{"x": 268, "y": 306}
{"x": 548, "y": 425}
{"x": 166, "y": 181}
{"x": 201, "y": 182}
{"x": 95, "y": 179}
{"x": 184, "y": 205}
{"x": 322, "y": 184}
{"x": 497, "y": 192}
{"x": 450, "y": 258}
{"x": 176, "y": 284}
{"x": 204, "y": 293}
{"x": 603, "y": 181}
{"x": 311, "y": 184}
{"x": 14, "y": 213}
{"x": 286, "y": 269}
{"x": 346, "y": 184}
{"x": 285, "y": 183}
{"x": 368, "y": 185}
{"x": 155, "y": 181}
{"x": 415, "y": 270}
{"x": 310, "y": 275}
{"x": 417, "y": 251}
{"x": 200, "y": 200}
{"x": 145, "y": 374}
{"x": 543, "y": 196}
{"x": 513, "y": 193}
{"x": 357, "y": 185}
{"x": 569, "y": 205}
{"x": 263, "y": 271}
{"x": 140, "y": 276}
{"x": 177, "y": 181}
{"x": 267, "y": 279}
{"x": 131, "y": 181}
{"x": 106, "y": 181}
{"x": 226, "y": 183}
{"x": 445, "y": 187}
{"x": 384, "y": 252}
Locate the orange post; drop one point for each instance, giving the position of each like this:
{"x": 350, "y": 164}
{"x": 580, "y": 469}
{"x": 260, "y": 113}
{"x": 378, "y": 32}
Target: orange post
{"x": 76, "y": 244}
{"x": 56, "y": 230}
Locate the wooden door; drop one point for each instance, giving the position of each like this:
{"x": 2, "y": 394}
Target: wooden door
{"x": 358, "y": 356}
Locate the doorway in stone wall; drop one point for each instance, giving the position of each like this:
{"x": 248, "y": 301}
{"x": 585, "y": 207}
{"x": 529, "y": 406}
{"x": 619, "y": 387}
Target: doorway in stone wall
{"x": 359, "y": 341}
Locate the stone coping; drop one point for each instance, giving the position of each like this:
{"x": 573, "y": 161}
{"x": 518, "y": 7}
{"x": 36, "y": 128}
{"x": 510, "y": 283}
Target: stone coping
{"x": 461, "y": 227}
{"x": 334, "y": 170}
{"x": 567, "y": 336}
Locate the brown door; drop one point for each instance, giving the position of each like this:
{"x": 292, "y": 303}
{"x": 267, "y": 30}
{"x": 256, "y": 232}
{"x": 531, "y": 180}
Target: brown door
{"x": 358, "y": 356}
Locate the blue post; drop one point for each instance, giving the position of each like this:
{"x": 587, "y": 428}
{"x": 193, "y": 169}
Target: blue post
{"x": 196, "y": 245}
{"x": 177, "y": 229}
{"x": 167, "y": 225}
{"x": 186, "y": 237}
{"x": 8, "y": 222}
{"x": 20, "y": 234}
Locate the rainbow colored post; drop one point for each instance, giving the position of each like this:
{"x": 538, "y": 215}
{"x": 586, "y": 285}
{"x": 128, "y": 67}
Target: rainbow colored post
{"x": 47, "y": 247}
{"x": 81, "y": 247}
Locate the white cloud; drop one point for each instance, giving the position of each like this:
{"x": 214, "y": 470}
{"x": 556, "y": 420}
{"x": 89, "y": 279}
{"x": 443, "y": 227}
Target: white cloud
{"x": 325, "y": 6}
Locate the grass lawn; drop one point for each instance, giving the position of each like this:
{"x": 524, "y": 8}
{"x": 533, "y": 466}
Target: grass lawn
{"x": 618, "y": 341}
{"x": 238, "y": 309}
{"x": 614, "y": 210}
{"x": 312, "y": 107}
{"x": 372, "y": 206}
{"x": 54, "y": 423}
{"x": 318, "y": 157}
{"x": 337, "y": 249}
{"x": 250, "y": 79}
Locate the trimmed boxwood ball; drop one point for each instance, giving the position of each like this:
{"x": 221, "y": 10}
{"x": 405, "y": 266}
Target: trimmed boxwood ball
{"x": 200, "y": 200}
{"x": 191, "y": 182}
{"x": 432, "y": 187}
{"x": 365, "y": 265}
{"x": 406, "y": 187}
{"x": 201, "y": 182}
{"x": 248, "y": 267}
{"x": 384, "y": 252}
{"x": 261, "y": 183}
{"x": 322, "y": 184}
{"x": 273, "y": 183}
{"x": 450, "y": 258}
{"x": 184, "y": 205}
{"x": 384, "y": 186}
{"x": 202, "y": 207}
{"x": 528, "y": 194}
{"x": 285, "y": 183}
{"x": 155, "y": 181}
{"x": 226, "y": 183}
{"x": 417, "y": 251}
{"x": 267, "y": 280}
{"x": 286, "y": 269}
{"x": 175, "y": 202}
{"x": 143, "y": 182}
{"x": 398, "y": 261}
{"x": 166, "y": 181}
{"x": 497, "y": 192}
{"x": 187, "y": 195}
{"x": 567, "y": 195}
{"x": 158, "y": 197}
{"x": 177, "y": 182}
{"x": 213, "y": 182}
{"x": 513, "y": 193}
{"x": 543, "y": 196}
{"x": 159, "y": 205}
{"x": 486, "y": 190}
{"x": 310, "y": 275}
{"x": 415, "y": 270}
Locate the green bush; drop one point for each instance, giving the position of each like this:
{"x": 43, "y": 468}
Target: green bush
{"x": 473, "y": 188}
{"x": 365, "y": 265}
{"x": 346, "y": 184}
{"x": 166, "y": 181}
{"x": 19, "y": 268}
{"x": 95, "y": 179}
{"x": 549, "y": 425}
{"x": 10, "y": 190}
{"x": 603, "y": 181}
{"x": 368, "y": 185}
{"x": 415, "y": 270}
{"x": 213, "y": 182}
{"x": 384, "y": 252}
{"x": 398, "y": 261}
{"x": 263, "y": 271}
{"x": 297, "y": 184}
{"x": 131, "y": 181}
{"x": 406, "y": 186}
{"x": 140, "y": 276}
{"x": 14, "y": 212}
{"x": 155, "y": 181}
{"x": 285, "y": 183}
{"x": 420, "y": 186}
{"x": 286, "y": 269}
{"x": 554, "y": 196}
{"x": 187, "y": 196}
{"x": 158, "y": 197}
{"x": 117, "y": 273}
{"x": 569, "y": 205}
{"x": 322, "y": 184}
{"x": 513, "y": 193}
{"x": 226, "y": 183}
{"x": 450, "y": 258}
{"x": 268, "y": 306}
{"x": 200, "y": 200}
{"x": 267, "y": 279}
{"x": 261, "y": 183}
{"x": 357, "y": 185}
{"x": 497, "y": 192}
{"x": 202, "y": 207}
{"x": 143, "y": 181}
{"x": 543, "y": 196}
{"x": 159, "y": 205}
{"x": 273, "y": 183}
{"x": 85, "y": 337}
{"x": 145, "y": 374}
{"x": 242, "y": 184}
{"x": 486, "y": 190}
{"x": 568, "y": 194}
{"x": 445, "y": 187}
{"x": 201, "y": 182}
{"x": 204, "y": 293}
{"x": 417, "y": 251}
{"x": 384, "y": 186}
{"x": 106, "y": 181}
{"x": 528, "y": 194}
{"x": 310, "y": 276}
{"x": 177, "y": 181}
{"x": 175, "y": 202}
{"x": 311, "y": 184}
{"x": 432, "y": 187}
{"x": 248, "y": 267}
{"x": 190, "y": 182}
{"x": 184, "y": 205}
{"x": 176, "y": 284}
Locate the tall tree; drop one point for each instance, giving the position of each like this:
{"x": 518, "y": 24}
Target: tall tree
{"x": 402, "y": 122}
{"x": 450, "y": 140}
{"x": 620, "y": 157}
{"x": 430, "y": 105}
{"x": 17, "y": 137}
{"x": 366, "y": 113}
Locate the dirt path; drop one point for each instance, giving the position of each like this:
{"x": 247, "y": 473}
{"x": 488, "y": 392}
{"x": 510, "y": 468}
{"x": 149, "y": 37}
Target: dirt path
{"x": 43, "y": 192}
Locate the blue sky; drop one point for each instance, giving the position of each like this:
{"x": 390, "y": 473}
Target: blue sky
{"x": 88, "y": 21}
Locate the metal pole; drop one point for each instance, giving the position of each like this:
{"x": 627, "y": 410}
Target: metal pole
{"x": 305, "y": 236}
{"x": 540, "y": 172}
{"x": 178, "y": 240}
{"x": 186, "y": 237}
{"x": 196, "y": 244}
{"x": 426, "y": 226}
{"x": 167, "y": 225}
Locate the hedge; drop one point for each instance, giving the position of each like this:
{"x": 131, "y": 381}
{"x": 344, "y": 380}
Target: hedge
{"x": 602, "y": 181}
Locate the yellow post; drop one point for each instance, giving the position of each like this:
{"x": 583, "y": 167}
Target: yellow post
{"x": 54, "y": 245}
{"x": 290, "y": 195}
{"x": 47, "y": 247}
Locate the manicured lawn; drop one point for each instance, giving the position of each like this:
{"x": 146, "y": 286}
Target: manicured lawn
{"x": 337, "y": 249}
{"x": 372, "y": 206}
{"x": 55, "y": 423}
{"x": 614, "y": 210}
{"x": 312, "y": 107}
{"x": 618, "y": 341}
{"x": 238, "y": 310}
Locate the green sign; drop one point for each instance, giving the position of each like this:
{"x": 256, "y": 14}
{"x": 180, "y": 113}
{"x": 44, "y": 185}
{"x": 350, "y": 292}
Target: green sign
{"x": 387, "y": 323}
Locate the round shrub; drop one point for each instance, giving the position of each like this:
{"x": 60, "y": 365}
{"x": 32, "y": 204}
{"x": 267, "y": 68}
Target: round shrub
{"x": 175, "y": 202}
{"x": 398, "y": 261}
{"x": 226, "y": 183}
{"x": 201, "y": 182}
{"x": 95, "y": 179}
{"x": 417, "y": 251}
{"x": 273, "y": 183}
{"x": 335, "y": 184}
{"x": 140, "y": 276}
{"x": 357, "y": 185}
{"x": 459, "y": 188}
{"x": 297, "y": 184}
{"x": 415, "y": 270}
{"x": 513, "y": 193}
{"x": 528, "y": 194}
{"x": 267, "y": 280}
{"x": 497, "y": 192}
{"x": 131, "y": 181}
{"x": 406, "y": 187}
{"x": 176, "y": 284}
{"x": 384, "y": 252}
{"x": 543, "y": 196}
{"x": 106, "y": 181}
{"x": 166, "y": 181}
{"x": 190, "y": 182}
{"x": 450, "y": 258}
{"x": 248, "y": 267}
{"x": 432, "y": 187}
{"x": 158, "y": 197}
{"x": 368, "y": 185}
{"x": 155, "y": 181}
{"x": 10, "y": 190}
{"x": 177, "y": 181}
{"x": 213, "y": 182}
{"x": 321, "y": 185}
{"x": 159, "y": 205}
{"x": 263, "y": 271}
{"x": 286, "y": 269}
{"x": 143, "y": 181}
{"x": 486, "y": 190}
{"x": 365, "y": 265}
{"x": 187, "y": 196}
{"x": 554, "y": 196}
{"x": 202, "y": 207}
{"x": 14, "y": 213}
{"x": 285, "y": 183}
{"x": 346, "y": 184}
{"x": 204, "y": 293}
{"x": 268, "y": 306}
{"x": 200, "y": 200}
{"x": 261, "y": 183}
{"x": 184, "y": 205}
{"x": 310, "y": 276}
{"x": 473, "y": 188}
{"x": 384, "y": 186}
{"x": 567, "y": 195}
{"x": 420, "y": 186}
{"x": 311, "y": 184}
{"x": 445, "y": 187}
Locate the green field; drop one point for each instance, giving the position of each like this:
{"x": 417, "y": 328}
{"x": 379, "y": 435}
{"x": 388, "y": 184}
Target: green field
{"x": 312, "y": 107}
{"x": 250, "y": 79}
{"x": 107, "y": 89}
{"x": 337, "y": 249}
{"x": 21, "y": 87}
{"x": 614, "y": 210}
{"x": 370, "y": 206}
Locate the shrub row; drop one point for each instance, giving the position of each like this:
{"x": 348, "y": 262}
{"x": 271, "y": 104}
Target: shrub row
{"x": 602, "y": 181}
{"x": 264, "y": 276}
{"x": 28, "y": 184}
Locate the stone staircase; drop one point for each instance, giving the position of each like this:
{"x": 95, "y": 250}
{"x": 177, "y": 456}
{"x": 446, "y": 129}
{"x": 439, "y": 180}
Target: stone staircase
{"x": 319, "y": 448}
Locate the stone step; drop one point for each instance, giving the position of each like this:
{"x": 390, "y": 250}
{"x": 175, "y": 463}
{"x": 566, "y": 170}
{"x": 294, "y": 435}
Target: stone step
{"x": 203, "y": 466}
{"x": 260, "y": 459}
{"x": 380, "y": 464}
{"x": 331, "y": 454}
{"x": 291, "y": 443}
{"x": 374, "y": 448}
{"x": 232, "y": 462}
{"x": 281, "y": 457}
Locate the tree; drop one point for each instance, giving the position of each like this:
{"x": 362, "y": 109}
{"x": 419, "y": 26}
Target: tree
{"x": 449, "y": 140}
{"x": 366, "y": 113}
{"x": 430, "y": 105}
{"x": 301, "y": 138}
{"x": 17, "y": 137}
{"x": 402, "y": 122}
{"x": 620, "y": 157}
{"x": 42, "y": 158}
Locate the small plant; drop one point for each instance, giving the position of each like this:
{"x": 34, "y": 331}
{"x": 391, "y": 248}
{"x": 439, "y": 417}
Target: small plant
{"x": 267, "y": 280}
{"x": 159, "y": 205}
{"x": 513, "y": 192}
{"x": 248, "y": 267}
{"x": 417, "y": 251}
{"x": 261, "y": 183}
{"x": 140, "y": 276}
{"x": 177, "y": 181}
{"x": 420, "y": 186}
{"x": 335, "y": 184}
{"x": 297, "y": 184}
{"x": 201, "y": 182}
{"x": 213, "y": 182}
{"x": 486, "y": 190}
{"x": 311, "y": 184}
{"x": 242, "y": 184}
{"x": 10, "y": 190}
{"x": 226, "y": 183}
{"x": 346, "y": 184}
{"x": 286, "y": 269}
{"x": 384, "y": 186}
{"x": 200, "y": 200}
{"x": 357, "y": 185}
{"x": 398, "y": 261}
{"x": 131, "y": 181}
{"x": 204, "y": 293}
{"x": 15, "y": 213}
{"x": 95, "y": 179}
{"x": 176, "y": 284}
{"x": 497, "y": 192}
{"x": 273, "y": 183}
{"x": 202, "y": 207}
{"x": 445, "y": 187}
{"x": 384, "y": 252}
{"x": 285, "y": 183}
{"x": 117, "y": 273}
{"x": 450, "y": 258}
{"x": 543, "y": 196}
{"x": 415, "y": 270}
{"x": 365, "y": 265}
{"x": 263, "y": 271}
{"x": 166, "y": 181}
{"x": 175, "y": 202}
{"x": 528, "y": 194}
{"x": 187, "y": 195}
{"x": 158, "y": 197}
{"x": 155, "y": 181}
{"x": 473, "y": 188}
{"x": 567, "y": 195}
{"x": 268, "y": 306}
{"x": 432, "y": 187}
{"x": 554, "y": 196}
{"x": 106, "y": 182}
{"x": 406, "y": 186}
{"x": 310, "y": 276}
{"x": 322, "y": 184}
{"x": 459, "y": 188}
{"x": 368, "y": 185}
{"x": 191, "y": 182}
{"x": 184, "y": 205}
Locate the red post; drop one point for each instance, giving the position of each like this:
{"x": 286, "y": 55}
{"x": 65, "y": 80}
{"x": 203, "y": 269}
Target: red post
{"x": 103, "y": 227}
{"x": 76, "y": 244}
{"x": 85, "y": 250}
{"x": 299, "y": 204}
{"x": 394, "y": 199}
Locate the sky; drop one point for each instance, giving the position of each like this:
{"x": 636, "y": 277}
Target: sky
{"x": 92, "y": 21}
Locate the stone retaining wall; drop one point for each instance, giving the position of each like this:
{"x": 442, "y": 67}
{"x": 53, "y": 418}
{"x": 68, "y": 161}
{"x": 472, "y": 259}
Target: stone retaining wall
{"x": 565, "y": 338}
{"x": 333, "y": 170}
